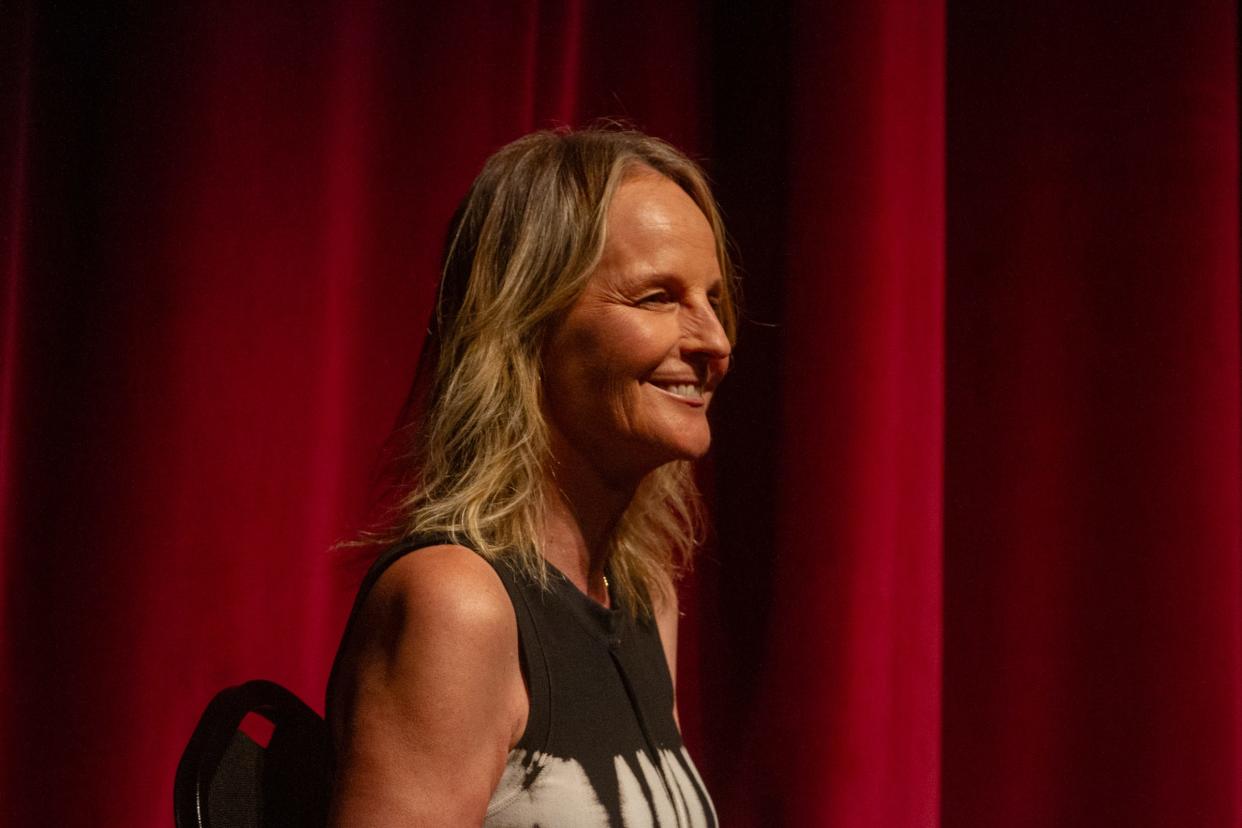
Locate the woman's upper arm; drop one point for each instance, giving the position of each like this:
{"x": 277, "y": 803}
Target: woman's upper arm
{"x": 431, "y": 696}
{"x": 667, "y": 613}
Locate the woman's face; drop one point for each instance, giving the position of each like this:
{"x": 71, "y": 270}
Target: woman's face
{"x": 631, "y": 368}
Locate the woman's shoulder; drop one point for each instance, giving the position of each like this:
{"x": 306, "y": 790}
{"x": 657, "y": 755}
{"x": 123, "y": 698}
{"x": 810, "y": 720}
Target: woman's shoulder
{"x": 446, "y": 588}
{"x": 436, "y": 632}
{"x": 431, "y": 695}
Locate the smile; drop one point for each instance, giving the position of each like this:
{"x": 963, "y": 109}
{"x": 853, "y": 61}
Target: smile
{"x": 689, "y": 392}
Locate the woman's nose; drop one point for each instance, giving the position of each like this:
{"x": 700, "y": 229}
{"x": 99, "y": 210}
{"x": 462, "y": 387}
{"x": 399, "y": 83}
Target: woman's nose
{"x": 704, "y": 335}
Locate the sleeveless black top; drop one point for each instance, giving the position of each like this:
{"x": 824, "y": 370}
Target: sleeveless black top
{"x": 600, "y": 746}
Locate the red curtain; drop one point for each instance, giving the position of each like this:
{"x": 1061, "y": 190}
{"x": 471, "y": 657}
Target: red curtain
{"x": 1092, "y": 476}
{"x": 977, "y": 472}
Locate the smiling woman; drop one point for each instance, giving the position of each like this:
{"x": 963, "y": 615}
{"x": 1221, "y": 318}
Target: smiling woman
{"x": 630, "y": 369}
{"x": 519, "y": 667}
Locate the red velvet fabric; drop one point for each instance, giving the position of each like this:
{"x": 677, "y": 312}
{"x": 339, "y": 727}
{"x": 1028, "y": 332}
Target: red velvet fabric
{"x": 977, "y": 471}
{"x": 1092, "y": 511}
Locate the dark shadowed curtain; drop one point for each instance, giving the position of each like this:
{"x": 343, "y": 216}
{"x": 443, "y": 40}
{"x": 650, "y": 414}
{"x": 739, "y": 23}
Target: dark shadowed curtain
{"x": 977, "y": 471}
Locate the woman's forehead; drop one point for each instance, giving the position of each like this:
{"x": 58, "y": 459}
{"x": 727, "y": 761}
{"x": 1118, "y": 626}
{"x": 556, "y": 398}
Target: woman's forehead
{"x": 652, "y": 217}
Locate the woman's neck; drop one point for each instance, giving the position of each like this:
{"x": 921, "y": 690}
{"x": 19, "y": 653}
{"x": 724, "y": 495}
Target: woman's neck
{"x": 582, "y": 510}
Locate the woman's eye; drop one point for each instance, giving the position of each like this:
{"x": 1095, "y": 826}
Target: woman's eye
{"x": 658, "y": 298}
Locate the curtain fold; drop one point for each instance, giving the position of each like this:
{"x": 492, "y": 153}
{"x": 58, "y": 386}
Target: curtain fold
{"x": 849, "y": 715}
{"x": 977, "y": 480}
{"x": 1092, "y": 540}
{"x": 15, "y": 80}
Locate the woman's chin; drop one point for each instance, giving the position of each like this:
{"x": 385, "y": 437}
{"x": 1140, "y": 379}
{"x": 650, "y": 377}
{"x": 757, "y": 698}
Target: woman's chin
{"x": 690, "y": 449}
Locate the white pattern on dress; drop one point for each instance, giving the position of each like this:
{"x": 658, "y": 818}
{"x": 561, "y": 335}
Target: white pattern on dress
{"x": 560, "y": 794}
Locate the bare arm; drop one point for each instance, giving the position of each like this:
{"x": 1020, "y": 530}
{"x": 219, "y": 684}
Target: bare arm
{"x": 431, "y": 695}
{"x": 667, "y": 614}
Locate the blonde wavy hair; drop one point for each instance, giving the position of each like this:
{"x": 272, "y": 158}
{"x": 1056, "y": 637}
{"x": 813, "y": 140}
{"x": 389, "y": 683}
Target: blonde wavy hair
{"x": 519, "y": 252}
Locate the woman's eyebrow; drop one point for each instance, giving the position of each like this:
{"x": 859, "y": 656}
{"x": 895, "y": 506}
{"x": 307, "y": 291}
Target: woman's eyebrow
{"x": 660, "y": 276}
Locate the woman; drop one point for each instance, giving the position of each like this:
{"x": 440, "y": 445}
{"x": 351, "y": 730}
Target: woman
{"x": 518, "y": 668}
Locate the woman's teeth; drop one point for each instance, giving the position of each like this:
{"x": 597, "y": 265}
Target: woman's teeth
{"x": 693, "y": 392}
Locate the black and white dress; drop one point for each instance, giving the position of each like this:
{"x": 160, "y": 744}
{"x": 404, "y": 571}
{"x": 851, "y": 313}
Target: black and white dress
{"x": 600, "y": 746}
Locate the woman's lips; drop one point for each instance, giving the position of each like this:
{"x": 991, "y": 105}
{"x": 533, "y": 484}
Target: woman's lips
{"x": 689, "y": 393}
